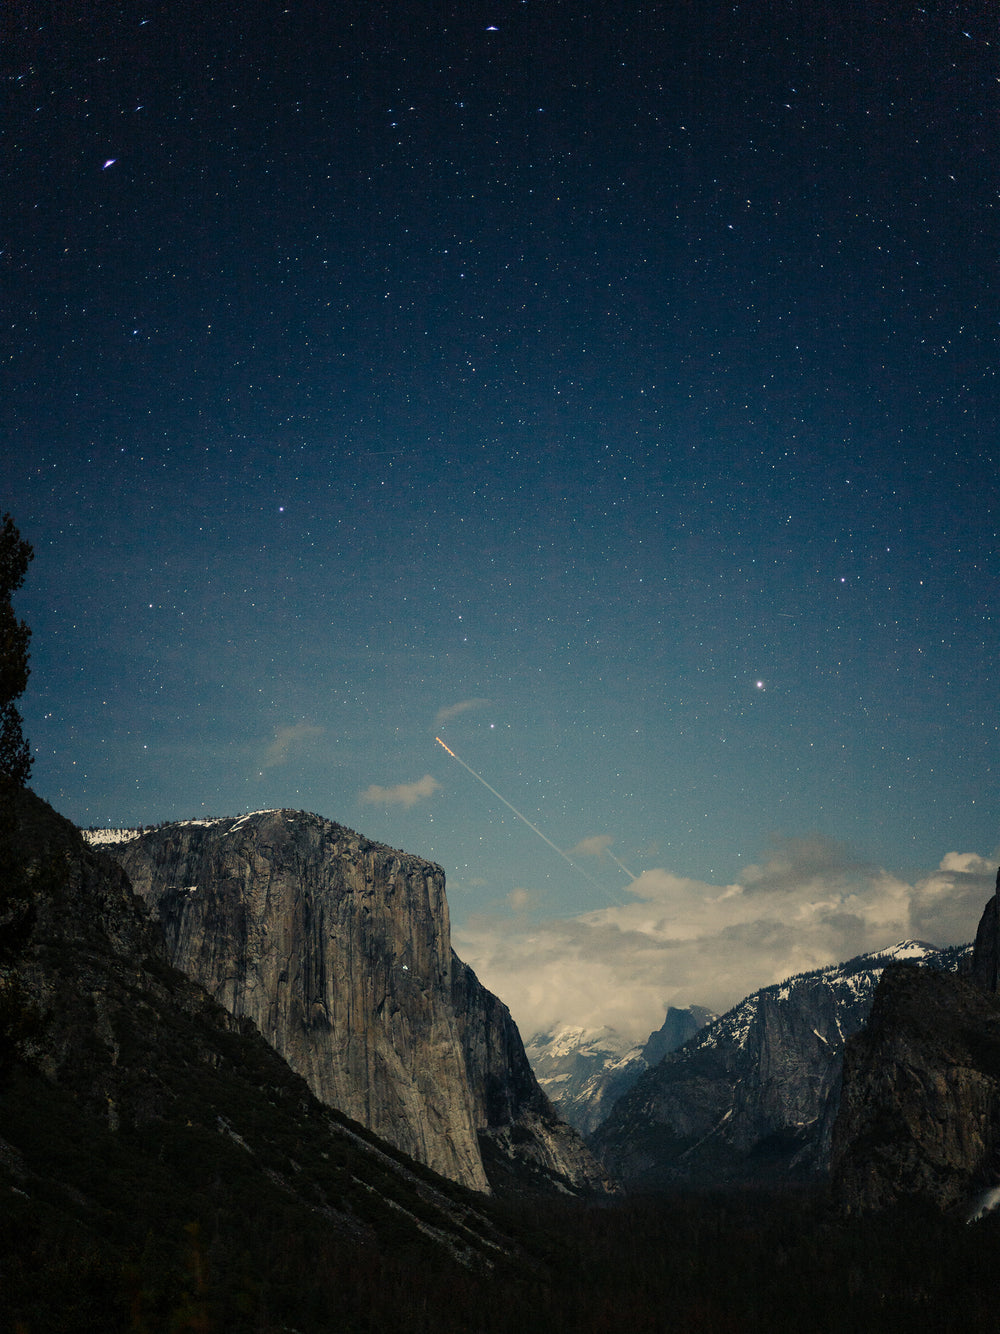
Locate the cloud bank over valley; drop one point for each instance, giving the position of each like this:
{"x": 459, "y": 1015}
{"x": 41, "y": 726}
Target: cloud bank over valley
{"x": 679, "y": 941}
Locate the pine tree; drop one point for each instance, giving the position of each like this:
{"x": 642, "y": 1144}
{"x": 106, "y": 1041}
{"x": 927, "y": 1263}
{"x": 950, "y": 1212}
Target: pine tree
{"x": 15, "y": 757}
{"x": 19, "y": 1017}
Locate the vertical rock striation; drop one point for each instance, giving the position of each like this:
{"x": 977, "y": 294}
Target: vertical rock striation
{"x": 339, "y": 950}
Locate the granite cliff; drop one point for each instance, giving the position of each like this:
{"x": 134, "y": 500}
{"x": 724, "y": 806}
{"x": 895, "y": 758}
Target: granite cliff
{"x": 985, "y": 969}
{"x": 754, "y": 1094}
{"x": 920, "y": 1111}
{"x": 339, "y": 951}
{"x": 521, "y": 1135}
{"x": 134, "y": 1107}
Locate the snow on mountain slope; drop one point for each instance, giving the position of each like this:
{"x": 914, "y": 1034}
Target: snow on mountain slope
{"x": 584, "y": 1071}
{"x": 101, "y": 838}
{"x": 755, "y": 1093}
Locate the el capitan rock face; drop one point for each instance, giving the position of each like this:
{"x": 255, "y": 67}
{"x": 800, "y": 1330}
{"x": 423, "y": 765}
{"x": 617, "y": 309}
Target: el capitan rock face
{"x": 131, "y": 1102}
{"x": 339, "y": 950}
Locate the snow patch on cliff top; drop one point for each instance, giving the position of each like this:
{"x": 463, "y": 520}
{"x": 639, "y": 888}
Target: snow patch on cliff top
{"x": 907, "y": 949}
{"x": 105, "y": 837}
{"x": 99, "y": 838}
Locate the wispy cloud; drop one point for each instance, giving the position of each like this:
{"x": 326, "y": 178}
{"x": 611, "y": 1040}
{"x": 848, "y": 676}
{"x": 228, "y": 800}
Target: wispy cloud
{"x": 679, "y": 941}
{"x": 593, "y": 846}
{"x": 285, "y": 738}
{"x": 403, "y": 794}
{"x": 450, "y": 711}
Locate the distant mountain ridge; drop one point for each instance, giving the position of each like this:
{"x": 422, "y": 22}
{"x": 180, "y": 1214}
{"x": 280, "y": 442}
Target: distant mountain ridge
{"x": 584, "y": 1071}
{"x": 754, "y": 1095}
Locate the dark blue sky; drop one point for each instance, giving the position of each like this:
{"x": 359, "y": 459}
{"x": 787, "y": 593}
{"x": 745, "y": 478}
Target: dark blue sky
{"x": 625, "y": 375}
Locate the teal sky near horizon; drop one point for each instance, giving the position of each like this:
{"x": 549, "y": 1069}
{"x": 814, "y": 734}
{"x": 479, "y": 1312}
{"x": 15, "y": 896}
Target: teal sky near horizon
{"x": 612, "y": 394}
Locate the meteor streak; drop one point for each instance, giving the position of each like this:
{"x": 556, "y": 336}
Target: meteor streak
{"x": 534, "y": 828}
{"x": 621, "y": 865}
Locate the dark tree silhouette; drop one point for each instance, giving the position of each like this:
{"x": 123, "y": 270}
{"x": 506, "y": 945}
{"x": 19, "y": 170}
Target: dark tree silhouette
{"x": 15, "y": 757}
{"x": 19, "y": 1018}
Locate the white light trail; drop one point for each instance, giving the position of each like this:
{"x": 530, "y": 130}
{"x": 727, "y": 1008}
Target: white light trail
{"x": 621, "y": 865}
{"x": 534, "y": 828}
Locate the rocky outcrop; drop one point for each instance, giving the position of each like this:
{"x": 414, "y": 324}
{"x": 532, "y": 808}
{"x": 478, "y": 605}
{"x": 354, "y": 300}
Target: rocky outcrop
{"x": 678, "y": 1027}
{"x": 985, "y": 971}
{"x": 920, "y": 1111}
{"x": 754, "y": 1095}
{"x": 339, "y": 951}
{"x": 521, "y": 1136}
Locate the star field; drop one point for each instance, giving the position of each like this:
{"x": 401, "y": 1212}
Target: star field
{"x": 616, "y": 384}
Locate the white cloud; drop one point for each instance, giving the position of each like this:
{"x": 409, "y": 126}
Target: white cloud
{"x": 680, "y": 941}
{"x": 970, "y": 862}
{"x": 450, "y": 711}
{"x": 951, "y": 899}
{"x": 519, "y": 899}
{"x": 403, "y": 794}
{"x": 284, "y": 739}
{"x": 592, "y": 846}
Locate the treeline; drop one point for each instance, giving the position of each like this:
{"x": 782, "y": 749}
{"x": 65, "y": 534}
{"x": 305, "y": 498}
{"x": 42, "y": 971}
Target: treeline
{"x": 717, "y": 1263}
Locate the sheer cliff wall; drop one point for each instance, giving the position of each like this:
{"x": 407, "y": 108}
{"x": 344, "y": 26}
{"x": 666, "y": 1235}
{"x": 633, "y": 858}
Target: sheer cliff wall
{"x": 339, "y": 950}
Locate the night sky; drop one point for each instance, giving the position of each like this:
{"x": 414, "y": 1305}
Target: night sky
{"x": 608, "y": 390}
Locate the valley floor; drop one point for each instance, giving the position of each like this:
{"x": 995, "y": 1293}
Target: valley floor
{"x": 706, "y": 1263}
